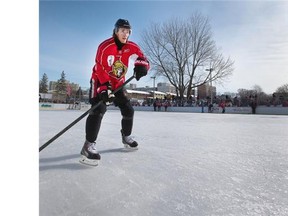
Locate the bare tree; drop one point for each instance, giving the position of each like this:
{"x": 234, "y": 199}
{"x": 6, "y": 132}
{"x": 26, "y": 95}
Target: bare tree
{"x": 182, "y": 50}
{"x": 257, "y": 89}
{"x": 283, "y": 89}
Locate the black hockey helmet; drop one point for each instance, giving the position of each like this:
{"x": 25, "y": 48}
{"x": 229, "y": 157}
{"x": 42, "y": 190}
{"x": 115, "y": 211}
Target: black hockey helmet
{"x": 122, "y": 23}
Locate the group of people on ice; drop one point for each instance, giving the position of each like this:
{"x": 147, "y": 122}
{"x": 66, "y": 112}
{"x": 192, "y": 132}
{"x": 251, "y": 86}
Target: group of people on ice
{"x": 158, "y": 103}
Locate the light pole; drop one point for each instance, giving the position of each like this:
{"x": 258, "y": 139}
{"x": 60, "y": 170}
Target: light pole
{"x": 211, "y": 92}
{"x": 154, "y": 77}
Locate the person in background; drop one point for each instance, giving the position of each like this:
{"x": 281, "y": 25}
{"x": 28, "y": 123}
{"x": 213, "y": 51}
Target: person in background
{"x": 222, "y": 105}
{"x": 253, "y": 104}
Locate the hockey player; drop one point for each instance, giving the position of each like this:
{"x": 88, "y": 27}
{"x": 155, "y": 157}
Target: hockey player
{"x": 111, "y": 65}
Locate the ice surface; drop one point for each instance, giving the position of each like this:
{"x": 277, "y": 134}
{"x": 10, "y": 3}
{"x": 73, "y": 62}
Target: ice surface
{"x": 187, "y": 164}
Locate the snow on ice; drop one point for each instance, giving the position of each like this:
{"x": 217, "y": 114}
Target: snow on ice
{"x": 187, "y": 164}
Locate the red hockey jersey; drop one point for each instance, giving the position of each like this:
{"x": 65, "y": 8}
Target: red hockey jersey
{"x": 112, "y": 64}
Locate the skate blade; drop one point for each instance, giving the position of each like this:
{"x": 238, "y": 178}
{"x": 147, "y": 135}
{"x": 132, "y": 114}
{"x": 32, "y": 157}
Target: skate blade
{"x": 129, "y": 148}
{"x": 90, "y": 162}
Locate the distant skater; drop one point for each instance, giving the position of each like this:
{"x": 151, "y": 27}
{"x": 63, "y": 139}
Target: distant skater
{"x": 222, "y": 105}
{"x": 253, "y": 105}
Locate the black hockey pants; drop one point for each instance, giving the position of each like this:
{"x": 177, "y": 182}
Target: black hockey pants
{"x": 94, "y": 119}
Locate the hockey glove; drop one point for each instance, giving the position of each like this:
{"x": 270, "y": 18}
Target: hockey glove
{"x": 104, "y": 92}
{"x": 104, "y": 96}
{"x": 141, "y": 67}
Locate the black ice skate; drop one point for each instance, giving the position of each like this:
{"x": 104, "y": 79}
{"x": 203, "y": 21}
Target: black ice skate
{"x": 90, "y": 156}
{"x": 128, "y": 142}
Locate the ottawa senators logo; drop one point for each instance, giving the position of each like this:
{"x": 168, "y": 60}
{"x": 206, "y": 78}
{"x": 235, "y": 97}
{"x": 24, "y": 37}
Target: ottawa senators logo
{"x": 118, "y": 69}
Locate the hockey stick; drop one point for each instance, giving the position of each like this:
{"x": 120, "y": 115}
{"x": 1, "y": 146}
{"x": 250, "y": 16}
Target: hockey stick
{"x": 82, "y": 116}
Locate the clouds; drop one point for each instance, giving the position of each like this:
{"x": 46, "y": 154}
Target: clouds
{"x": 269, "y": 50}
{"x": 270, "y": 36}
{"x": 256, "y": 37}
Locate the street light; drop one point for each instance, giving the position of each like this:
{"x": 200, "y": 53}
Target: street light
{"x": 210, "y": 72}
{"x": 154, "y": 77}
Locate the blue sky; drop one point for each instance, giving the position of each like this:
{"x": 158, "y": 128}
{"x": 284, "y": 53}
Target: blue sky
{"x": 253, "y": 33}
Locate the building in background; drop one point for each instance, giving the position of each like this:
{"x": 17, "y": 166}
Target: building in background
{"x": 206, "y": 91}
{"x": 166, "y": 88}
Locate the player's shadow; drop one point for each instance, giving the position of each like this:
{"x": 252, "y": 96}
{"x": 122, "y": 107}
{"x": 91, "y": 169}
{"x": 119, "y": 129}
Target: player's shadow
{"x": 59, "y": 158}
{"x": 47, "y": 163}
{"x": 115, "y": 150}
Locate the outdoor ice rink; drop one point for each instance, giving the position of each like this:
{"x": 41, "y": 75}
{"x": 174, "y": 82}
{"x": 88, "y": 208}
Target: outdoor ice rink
{"x": 198, "y": 164}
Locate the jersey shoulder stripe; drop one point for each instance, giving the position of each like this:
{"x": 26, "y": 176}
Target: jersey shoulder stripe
{"x": 133, "y": 44}
{"x": 106, "y": 42}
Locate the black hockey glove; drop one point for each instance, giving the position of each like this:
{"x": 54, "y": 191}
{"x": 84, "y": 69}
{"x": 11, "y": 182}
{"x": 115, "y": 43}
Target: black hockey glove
{"x": 104, "y": 93}
{"x": 104, "y": 96}
{"x": 141, "y": 67}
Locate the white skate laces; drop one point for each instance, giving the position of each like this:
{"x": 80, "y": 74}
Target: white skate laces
{"x": 128, "y": 139}
{"x": 129, "y": 142}
{"x": 89, "y": 154}
{"x": 92, "y": 147}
